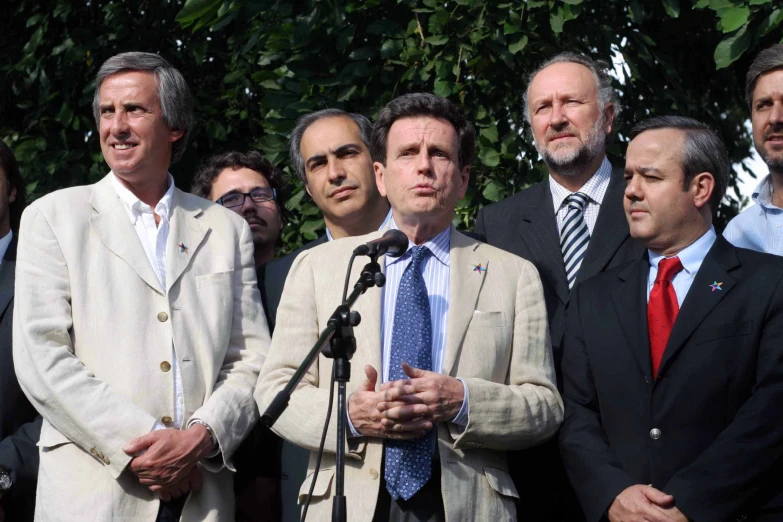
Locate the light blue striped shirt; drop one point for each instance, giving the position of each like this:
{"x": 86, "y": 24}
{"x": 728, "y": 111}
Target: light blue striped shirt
{"x": 759, "y": 227}
{"x": 435, "y": 270}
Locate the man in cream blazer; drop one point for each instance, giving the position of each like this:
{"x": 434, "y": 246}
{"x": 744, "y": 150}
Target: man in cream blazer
{"x": 493, "y": 388}
{"x": 117, "y": 335}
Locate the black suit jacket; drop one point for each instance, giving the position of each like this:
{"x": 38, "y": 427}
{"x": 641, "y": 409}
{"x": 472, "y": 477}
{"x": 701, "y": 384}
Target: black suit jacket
{"x": 20, "y": 424}
{"x": 717, "y": 401}
{"x": 273, "y": 275}
{"x": 525, "y": 224}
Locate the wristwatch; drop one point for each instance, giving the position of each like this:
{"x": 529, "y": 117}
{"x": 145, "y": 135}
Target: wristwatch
{"x": 5, "y": 481}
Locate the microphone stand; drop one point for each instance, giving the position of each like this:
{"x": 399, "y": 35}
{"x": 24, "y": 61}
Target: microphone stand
{"x": 336, "y": 342}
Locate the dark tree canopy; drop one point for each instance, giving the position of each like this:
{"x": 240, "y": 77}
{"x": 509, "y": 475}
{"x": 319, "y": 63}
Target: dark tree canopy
{"x": 255, "y": 66}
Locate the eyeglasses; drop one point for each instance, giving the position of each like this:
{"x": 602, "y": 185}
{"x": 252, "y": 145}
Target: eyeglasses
{"x": 237, "y": 199}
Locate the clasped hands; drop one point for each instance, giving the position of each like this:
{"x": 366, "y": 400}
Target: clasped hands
{"x": 406, "y": 408}
{"x": 644, "y": 504}
{"x": 168, "y": 465}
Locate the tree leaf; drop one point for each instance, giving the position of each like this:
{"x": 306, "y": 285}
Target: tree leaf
{"x": 195, "y": 9}
{"x": 494, "y": 191}
{"x": 760, "y": 2}
{"x": 731, "y": 48}
{"x": 442, "y": 88}
{"x": 490, "y": 133}
{"x": 733, "y": 18}
{"x": 489, "y": 157}
{"x": 672, "y": 8}
{"x": 572, "y": 2}
{"x": 770, "y": 22}
{"x": 515, "y": 47}
{"x": 556, "y": 21}
{"x": 439, "y": 39}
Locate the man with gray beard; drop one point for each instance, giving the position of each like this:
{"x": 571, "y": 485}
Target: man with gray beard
{"x": 571, "y": 226}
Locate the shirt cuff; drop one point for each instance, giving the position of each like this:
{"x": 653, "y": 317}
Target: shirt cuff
{"x": 461, "y": 419}
{"x": 352, "y": 433}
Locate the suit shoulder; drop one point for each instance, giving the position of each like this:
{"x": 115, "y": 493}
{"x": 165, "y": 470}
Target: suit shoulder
{"x": 78, "y": 196}
{"x": 759, "y": 260}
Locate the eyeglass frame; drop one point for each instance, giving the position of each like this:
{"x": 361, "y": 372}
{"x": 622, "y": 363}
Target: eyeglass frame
{"x": 246, "y": 195}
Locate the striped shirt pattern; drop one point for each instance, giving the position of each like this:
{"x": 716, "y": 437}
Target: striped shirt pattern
{"x": 759, "y": 227}
{"x": 594, "y": 189}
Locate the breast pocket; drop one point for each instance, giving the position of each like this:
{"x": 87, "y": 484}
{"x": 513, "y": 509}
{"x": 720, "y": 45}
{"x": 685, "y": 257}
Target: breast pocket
{"x": 724, "y": 331}
{"x": 215, "y": 279}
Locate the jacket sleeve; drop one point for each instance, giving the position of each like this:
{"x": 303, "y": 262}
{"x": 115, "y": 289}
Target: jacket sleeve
{"x": 230, "y": 410}
{"x": 592, "y": 468}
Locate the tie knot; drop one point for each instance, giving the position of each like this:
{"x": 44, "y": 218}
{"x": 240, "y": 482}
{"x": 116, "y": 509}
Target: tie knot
{"x": 577, "y": 200}
{"x": 418, "y": 253}
{"x": 668, "y": 268}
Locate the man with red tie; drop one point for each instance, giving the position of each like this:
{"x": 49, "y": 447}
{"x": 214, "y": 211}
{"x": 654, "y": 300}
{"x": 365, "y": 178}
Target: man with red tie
{"x": 673, "y": 364}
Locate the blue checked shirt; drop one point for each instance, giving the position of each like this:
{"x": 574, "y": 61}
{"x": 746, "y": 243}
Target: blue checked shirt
{"x": 759, "y": 227}
{"x": 435, "y": 270}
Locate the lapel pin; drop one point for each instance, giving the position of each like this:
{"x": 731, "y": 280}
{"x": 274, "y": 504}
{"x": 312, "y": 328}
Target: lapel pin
{"x": 716, "y": 286}
{"x": 182, "y": 248}
{"x": 478, "y": 268}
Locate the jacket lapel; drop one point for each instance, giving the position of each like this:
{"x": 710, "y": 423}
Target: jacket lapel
{"x": 186, "y": 233}
{"x": 610, "y": 230}
{"x": 113, "y": 226}
{"x": 539, "y": 231}
{"x": 630, "y": 301}
{"x": 465, "y": 283}
{"x": 701, "y": 299}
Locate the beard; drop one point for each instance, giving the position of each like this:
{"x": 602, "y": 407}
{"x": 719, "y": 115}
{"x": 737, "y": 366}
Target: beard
{"x": 571, "y": 162}
{"x": 773, "y": 163}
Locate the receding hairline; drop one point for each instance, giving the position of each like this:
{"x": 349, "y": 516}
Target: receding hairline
{"x": 595, "y": 80}
{"x": 358, "y": 142}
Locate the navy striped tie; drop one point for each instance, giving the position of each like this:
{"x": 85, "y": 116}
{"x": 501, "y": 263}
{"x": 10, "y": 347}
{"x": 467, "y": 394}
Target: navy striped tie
{"x": 574, "y": 236}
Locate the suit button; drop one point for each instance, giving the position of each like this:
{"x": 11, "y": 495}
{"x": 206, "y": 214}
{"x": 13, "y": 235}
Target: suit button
{"x": 166, "y": 420}
{"x": 163, "y": 317}
{"x": 165, "y": 366}
{"x": 655, "y": 434}
{"x": 374, "y": 474}
{"x": 93, "y": 452}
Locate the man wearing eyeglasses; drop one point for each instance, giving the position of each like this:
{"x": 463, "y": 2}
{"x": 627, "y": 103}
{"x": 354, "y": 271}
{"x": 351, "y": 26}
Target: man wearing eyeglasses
{"x": 251, "y": 186}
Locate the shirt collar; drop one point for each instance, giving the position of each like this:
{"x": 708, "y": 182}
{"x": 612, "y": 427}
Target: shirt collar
{"x": 594, "y": 188}
{"x": 762, "y": 194}
{"x": 440, "y": 246}
{"x": 135, "y": 207}
{"x": 691, "y": 256}
{"x": 4, "y": 243}
{"x": 385, "y": 221}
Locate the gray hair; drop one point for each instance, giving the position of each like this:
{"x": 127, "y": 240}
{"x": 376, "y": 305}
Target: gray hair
{"x": 295, "y": 139}
{"x": 768, "y": 60}
{"x": 176, "y": 102}
{"x": 598, "y": 68}
{"x": 702, "y": 151}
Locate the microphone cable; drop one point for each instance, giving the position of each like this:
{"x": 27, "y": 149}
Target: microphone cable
{"x": 328, "y": 410}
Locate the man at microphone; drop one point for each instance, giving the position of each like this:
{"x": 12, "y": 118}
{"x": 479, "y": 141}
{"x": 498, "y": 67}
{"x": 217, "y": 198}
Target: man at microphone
{"x": 455, "y": 358}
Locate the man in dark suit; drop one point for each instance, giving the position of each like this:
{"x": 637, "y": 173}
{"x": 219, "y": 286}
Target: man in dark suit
{"x": 330, "y": 152}
{"x": 576, "y": 215}
{"x": 20, "y": 424}
{"x": 673, "y": 364}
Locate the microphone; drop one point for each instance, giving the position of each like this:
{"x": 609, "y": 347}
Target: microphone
{"x": 393, "y": 243}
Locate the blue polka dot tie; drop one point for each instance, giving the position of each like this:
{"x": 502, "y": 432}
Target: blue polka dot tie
{"x": 408, "y": 463}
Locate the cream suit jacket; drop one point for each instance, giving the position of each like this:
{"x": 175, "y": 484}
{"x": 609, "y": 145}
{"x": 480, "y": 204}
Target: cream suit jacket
{"x": 92, "y": 327}
{"x": 497, "y": 340}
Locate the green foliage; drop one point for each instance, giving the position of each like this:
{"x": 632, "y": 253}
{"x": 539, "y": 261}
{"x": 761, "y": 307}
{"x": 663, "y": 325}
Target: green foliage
{"x": 257, "y": 65}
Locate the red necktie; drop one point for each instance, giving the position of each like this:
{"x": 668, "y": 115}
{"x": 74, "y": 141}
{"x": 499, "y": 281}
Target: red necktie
{"x": 662, "y": 309}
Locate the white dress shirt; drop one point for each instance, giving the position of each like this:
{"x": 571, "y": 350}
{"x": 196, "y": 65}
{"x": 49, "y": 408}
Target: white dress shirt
{"x": 691, "y": 258}
{"x": 595, "y": 189}
{"x": 153, "y": 238}
{"x": 4, "y": 244}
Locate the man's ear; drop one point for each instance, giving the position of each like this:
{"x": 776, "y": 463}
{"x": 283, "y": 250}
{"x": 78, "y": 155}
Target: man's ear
{"x": 380, "y": 177}
{"x": 702, "y": 187}
{"x": 175, "y": 134}
{"x": 609, "y": 113}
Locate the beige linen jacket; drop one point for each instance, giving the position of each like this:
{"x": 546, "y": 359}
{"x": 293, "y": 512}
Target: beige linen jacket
{"x": 93, "y": 332}
{"x": 497, "y": 340}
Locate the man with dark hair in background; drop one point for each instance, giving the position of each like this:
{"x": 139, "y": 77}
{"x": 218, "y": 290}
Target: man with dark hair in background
{"x": 570, "y": 225}
{"x": 20, "y": 424}
{"x": 760, "y": 227}
{"x": 673, "y": 363}
{"x": 251, "y": 186}
{"x": 330, "y": 152}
